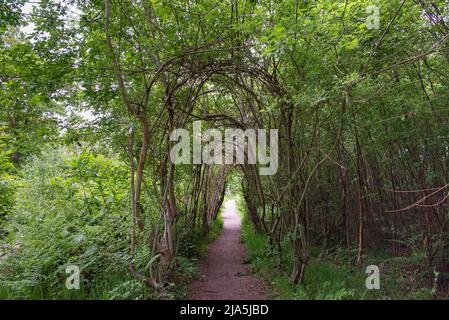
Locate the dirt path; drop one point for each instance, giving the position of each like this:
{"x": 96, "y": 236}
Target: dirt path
{"x": 224, "y": 276}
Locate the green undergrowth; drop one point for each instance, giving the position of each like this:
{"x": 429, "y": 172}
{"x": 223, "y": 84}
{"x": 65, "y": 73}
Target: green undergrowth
{"x": 122, "y": 285}
{"x": 197, "y": 249}
{"x": 186, "y": 269}
{"x": 215, "y": 230}
{"x": 329, "y": 275}
{"x": 72, "y": 209}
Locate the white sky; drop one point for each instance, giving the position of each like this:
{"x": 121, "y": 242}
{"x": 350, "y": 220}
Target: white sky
{"x": 26, "y": 9}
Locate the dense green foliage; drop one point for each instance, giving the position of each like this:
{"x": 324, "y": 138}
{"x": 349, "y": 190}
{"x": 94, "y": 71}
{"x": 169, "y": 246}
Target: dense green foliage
{"x": 92, "y": 90}
{"x": 7, "y": 180}
{"x": 328, "y": 276}
{"x": 71, "y": 209}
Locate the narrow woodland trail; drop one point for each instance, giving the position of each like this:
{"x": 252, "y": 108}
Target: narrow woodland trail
{"x": 223, "y": 273}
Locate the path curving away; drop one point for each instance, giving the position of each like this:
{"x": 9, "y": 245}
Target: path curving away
{"x": 224, "y": 276}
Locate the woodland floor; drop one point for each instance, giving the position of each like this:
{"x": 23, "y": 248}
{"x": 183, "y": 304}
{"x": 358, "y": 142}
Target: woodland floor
{"x": 224, "y": 275}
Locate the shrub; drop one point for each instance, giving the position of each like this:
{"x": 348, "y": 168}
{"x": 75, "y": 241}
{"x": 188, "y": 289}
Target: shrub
{"x": 71, "y": 209}
{"x": 7, "y": 182}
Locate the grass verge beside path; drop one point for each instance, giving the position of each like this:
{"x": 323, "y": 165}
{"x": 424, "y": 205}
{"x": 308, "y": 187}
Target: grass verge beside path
{"x": 328, "y": 276}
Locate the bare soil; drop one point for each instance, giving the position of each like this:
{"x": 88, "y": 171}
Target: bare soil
{"x": 224, "y": 276}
